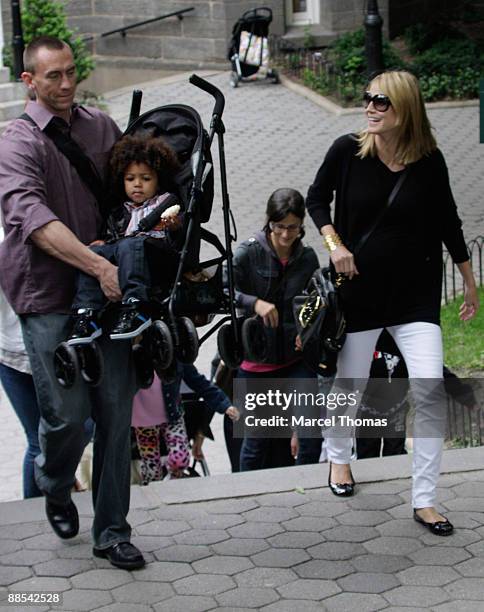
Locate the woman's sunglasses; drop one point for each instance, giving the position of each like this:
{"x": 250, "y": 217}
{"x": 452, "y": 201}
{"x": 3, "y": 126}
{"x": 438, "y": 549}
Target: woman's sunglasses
{"x": 380, "y": 102}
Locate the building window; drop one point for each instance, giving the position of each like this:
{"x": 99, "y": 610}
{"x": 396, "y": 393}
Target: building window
{"x": 302, "y": 12}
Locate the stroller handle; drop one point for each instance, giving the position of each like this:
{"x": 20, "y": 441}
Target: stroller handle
{"x": 212, "y": 90}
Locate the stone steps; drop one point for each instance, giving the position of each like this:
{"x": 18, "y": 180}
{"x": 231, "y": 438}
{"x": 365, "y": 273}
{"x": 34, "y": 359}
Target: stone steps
{"x": 12, "y": 98}
{"x": 11, "y": 110}
{"x": 4, "y": 75}
{"x": 11, "y": 91}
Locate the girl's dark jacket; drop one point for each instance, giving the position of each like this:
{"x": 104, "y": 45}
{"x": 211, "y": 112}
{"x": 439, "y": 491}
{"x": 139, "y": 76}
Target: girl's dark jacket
{"x": 259, "y": 274}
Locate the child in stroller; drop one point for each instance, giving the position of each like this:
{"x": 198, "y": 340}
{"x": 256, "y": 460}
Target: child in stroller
{"x": 142, "y": 170}
{"x": 176, "y": 295}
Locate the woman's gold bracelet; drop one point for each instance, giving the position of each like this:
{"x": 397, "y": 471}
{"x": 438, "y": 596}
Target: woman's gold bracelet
{"x": 332, "y": 241}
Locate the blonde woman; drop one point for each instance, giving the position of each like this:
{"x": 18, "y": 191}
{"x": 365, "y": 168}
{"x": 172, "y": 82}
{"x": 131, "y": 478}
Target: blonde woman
{"x": 394, "y": 208}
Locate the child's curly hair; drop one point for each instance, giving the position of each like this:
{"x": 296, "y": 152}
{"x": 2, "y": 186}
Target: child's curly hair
{"x": 154, "y": 152}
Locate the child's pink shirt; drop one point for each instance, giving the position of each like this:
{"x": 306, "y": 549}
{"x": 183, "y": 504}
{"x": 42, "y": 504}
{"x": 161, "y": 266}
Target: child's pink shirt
{"x": 149, "y": 406}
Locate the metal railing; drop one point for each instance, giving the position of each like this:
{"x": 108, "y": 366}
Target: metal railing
{"x": 179, "y": 14}
{"x": 316, "y": 70}
{"x": 452, "y": 285}
{"x": 465, "y": 425}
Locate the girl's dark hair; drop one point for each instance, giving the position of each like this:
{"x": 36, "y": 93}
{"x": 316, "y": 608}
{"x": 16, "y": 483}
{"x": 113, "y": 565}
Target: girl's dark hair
{"x": 153, "y": 152}
{"x": 283, "y": 202}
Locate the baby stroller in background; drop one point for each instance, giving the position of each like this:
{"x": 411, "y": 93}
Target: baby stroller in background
{"x": 172, "y": 335}
{"x": 249, "y": 47}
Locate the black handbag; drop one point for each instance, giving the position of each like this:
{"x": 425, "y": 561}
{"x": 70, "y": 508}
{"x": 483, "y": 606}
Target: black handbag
{"x": 320, "y": 322}
{"x": 318, "y": 313}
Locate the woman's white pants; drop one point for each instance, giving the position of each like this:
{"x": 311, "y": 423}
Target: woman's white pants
{"x": 421, "y": 347}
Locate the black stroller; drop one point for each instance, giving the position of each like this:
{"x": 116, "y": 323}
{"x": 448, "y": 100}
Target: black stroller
{"x": 249, "y": 49}
{"x": 172, "y": 335}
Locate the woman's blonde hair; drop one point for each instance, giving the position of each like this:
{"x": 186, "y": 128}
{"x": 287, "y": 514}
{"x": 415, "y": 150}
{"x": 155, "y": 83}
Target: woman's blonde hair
{"x": 414, "y": 132}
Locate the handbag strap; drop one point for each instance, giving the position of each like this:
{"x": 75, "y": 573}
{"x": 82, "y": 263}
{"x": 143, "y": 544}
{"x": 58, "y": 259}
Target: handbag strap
{"x": 79, "y": 160}
{"x": 391, "y": 198}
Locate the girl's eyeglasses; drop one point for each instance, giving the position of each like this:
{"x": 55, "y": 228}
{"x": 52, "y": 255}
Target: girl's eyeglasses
{"x": 279, "y": 228}
{"x": 380, "y": 102}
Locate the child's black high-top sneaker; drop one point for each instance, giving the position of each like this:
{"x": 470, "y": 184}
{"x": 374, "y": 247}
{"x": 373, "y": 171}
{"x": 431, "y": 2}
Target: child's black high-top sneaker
{"x": 86, "y": 327}
{"x": 131, "y": 321}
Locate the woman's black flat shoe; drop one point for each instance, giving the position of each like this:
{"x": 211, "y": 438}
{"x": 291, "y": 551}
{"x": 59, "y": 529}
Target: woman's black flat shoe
{"x": 441, "y": 528}
{"x": 341, "y": 490}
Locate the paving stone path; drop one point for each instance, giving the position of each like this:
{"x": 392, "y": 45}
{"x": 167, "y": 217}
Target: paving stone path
{"x": 273, "y": 552}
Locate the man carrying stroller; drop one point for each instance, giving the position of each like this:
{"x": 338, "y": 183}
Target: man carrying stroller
{"x": 50, "y": 175}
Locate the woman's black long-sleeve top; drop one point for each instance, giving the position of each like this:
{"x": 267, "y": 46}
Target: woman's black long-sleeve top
{"x": 400, "y": 264}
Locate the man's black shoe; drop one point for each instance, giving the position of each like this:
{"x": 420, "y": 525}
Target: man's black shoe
{"x": 130, "y": 324}
{"x": 122, "y": 554}
{"x": 85, "y": 328}
{"x": 64, "y": 520}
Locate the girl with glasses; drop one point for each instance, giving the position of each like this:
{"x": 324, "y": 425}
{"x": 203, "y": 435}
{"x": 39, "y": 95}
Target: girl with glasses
{"x": 394, "y": 277}
{"x": 270, "y": 269}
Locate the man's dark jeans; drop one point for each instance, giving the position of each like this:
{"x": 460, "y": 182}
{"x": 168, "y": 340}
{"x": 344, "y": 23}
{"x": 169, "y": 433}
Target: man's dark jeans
{"x": 61, "y": 433}
{"x": 133, "y": 271}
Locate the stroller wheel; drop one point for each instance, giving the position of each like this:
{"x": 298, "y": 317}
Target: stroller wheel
{"x": 91, "y": 362}
{"x": 143, "y": 366}
{"x": 161, "y": 345}
{"x": 234, "y": 79}
{"x": 66, "y": 365}
{"x": 254, "y": 340}
{"x": 187, "y": 349}
{"x": 230, "y": 353}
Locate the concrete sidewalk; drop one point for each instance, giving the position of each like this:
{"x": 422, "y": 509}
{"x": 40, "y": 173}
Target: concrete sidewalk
{"x": 273, "y": 541}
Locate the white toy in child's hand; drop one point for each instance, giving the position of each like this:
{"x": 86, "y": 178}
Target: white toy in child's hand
{"x": 172, "y": 211}
{"x": 169, "y": 219}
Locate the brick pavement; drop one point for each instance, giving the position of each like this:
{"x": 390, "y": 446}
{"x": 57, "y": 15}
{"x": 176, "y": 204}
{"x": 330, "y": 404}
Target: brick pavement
{"x": 286, "y": 549}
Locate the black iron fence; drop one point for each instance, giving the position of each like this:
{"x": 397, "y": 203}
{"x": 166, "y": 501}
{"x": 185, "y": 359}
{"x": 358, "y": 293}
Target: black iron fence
{"x": 316, "y": 70}
{"x": 465, "y": 424}
{"x": 453, "y": 286}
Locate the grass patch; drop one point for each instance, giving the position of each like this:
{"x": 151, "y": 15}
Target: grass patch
{"x": 463, "y": 340}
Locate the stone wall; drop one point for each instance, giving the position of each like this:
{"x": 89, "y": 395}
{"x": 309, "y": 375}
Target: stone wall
{"x": 346, "y": 15}
{"x": 200, "y": 39}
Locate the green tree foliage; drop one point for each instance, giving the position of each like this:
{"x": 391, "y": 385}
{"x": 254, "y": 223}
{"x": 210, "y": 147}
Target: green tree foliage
{"x": 348, "y": 73}
{"x": 446, "y": 60}
{"x": 48, "y": 18}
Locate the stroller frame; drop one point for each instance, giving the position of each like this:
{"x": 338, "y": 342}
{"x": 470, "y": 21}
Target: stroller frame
{"x": 165, "y": 340}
